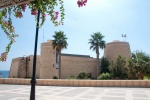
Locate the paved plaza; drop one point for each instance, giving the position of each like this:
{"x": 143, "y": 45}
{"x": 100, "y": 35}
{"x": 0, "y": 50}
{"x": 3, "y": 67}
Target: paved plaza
{"x": 22, "y": 92}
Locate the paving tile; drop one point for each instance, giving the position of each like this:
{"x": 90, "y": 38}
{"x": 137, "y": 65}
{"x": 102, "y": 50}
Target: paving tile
{"x": 140, "y": 99}
{"x": 112, "y": 98}
{"x": 140, "y": 95}
{"x": 116, "y": 94}
{"x": 22, "y": 92}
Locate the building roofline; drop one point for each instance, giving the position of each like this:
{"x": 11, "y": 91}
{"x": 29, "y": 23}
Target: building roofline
{"x": 76, "y": 55}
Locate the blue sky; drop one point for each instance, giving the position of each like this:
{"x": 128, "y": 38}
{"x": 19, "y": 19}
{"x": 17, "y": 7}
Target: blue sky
{"x": 111, "y": 17}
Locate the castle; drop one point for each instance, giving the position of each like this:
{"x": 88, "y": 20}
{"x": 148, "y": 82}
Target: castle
{"x": 71, "y": 64}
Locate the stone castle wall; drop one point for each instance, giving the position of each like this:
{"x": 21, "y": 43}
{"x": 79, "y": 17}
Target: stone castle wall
{"x": 72, "y": 66}
{"x": 113, "y": 49}
{"x": 14, "y": 68}
{"x": 47, "y": 59}
{"x": 30, "y": 66}
{"x": 22, "y": 67}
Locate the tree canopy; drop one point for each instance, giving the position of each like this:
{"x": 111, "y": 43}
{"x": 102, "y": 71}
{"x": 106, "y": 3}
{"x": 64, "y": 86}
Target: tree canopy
{"x": 139, "y": 64}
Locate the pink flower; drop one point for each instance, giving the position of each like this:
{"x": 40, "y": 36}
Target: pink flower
{"x": 56, "y": 15}
{"x": 6, "y": 22}
{"x": 24, "y": 7}
{"x": 56, "y": 12}
{"x": 44, "y": 15}
{"x": 81, "y": 3}
{"x": 18, "y": 14}
{"x": 3, "y": 56}
{"x": 34, "y": 12}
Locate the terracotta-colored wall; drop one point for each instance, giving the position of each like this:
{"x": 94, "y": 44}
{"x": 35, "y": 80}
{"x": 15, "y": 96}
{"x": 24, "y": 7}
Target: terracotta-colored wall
{"x": 72, "y": 66}
{"x": 83, "y": 83}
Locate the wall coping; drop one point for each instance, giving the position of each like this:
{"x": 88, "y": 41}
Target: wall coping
{"x": 74, "y": 82}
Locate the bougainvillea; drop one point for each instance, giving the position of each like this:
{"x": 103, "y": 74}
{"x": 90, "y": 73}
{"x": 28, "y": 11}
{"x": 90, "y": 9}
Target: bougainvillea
{"x": 46, "y": 8}
{"x": 81, "y": 3}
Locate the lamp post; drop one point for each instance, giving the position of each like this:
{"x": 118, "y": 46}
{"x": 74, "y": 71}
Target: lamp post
{"x": 33, "y": 80}
{"x": 9, "y": 3}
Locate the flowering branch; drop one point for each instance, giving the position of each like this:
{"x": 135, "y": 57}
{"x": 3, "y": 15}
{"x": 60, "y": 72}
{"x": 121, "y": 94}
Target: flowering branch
{"x": 46, "y": 7}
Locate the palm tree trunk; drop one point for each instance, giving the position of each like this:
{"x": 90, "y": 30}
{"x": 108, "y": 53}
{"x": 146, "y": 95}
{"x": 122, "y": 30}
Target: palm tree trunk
{"x": 60, "y": 64}
{"x": 98, "y": 69}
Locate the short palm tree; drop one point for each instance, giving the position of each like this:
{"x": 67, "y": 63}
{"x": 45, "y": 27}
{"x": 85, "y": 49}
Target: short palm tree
{"x": 140, "y": 64}
{"x": 59, "y": 43}
{"x": 97, "y": 42}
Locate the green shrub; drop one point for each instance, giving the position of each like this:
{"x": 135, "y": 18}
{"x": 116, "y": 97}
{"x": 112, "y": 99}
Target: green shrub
{"x": 55, "y": 77}
{"x": 72, "y": 77}
{"x": 82, "y": 75}
{"x": 104, "y": 76}
{"x": 146, "y": 78}
{"x": 89, "y": 75}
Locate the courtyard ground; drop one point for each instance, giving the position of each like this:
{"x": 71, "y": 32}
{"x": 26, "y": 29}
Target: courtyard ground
{"x": 22, "y": 92}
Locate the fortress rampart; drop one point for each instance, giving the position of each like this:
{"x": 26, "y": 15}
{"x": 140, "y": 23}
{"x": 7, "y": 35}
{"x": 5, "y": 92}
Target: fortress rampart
{"x": 115, "y": 48}
{"x": 71, "y": 64}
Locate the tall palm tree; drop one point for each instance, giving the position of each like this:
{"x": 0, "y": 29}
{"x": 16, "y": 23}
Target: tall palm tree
{"x": 97, "y": 42}
{"x": 59, "y": 43}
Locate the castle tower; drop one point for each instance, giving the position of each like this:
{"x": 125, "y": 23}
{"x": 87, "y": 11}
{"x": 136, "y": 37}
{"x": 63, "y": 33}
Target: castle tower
{"x": 115, "y": 48}
{"x": 48, "y": 59}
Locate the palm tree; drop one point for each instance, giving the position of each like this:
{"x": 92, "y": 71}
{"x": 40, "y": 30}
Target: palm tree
{"x": 97, "y": 42}
{"x": 139, "y": 64}
{"x": 59, "y": 43}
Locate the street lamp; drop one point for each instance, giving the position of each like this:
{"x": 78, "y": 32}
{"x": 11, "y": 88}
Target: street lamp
{"x": 33, "y": 80}
{"x": 9, "y": 3}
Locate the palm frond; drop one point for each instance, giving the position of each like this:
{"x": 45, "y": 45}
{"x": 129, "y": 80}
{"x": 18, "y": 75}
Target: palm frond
{"x": 96, "y": 41}
{"x": 60, "y": 41}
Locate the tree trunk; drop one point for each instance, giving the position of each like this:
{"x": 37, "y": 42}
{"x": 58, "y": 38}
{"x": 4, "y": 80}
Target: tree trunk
{"x": 140, "y": 76}
{"x": 59, "y": 64}
{"x": 98, "y": 69}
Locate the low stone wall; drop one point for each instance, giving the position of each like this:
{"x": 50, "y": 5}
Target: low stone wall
{"x": 83, "y": 83}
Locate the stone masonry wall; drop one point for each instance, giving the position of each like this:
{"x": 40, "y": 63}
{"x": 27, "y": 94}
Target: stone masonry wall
{"x": 72, "y": 66}
{"x": 30, "y": 66}
{"x": 47, "y": 60}
{"x": 18, "y": 68}
{"x": 14, "y": 68}
{"x": 22, "y": 67}
{"x": 113, "y": 49}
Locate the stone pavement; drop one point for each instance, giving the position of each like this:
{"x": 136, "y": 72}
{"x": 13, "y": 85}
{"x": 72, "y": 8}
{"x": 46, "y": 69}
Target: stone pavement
{"x": 22, "y": 92}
